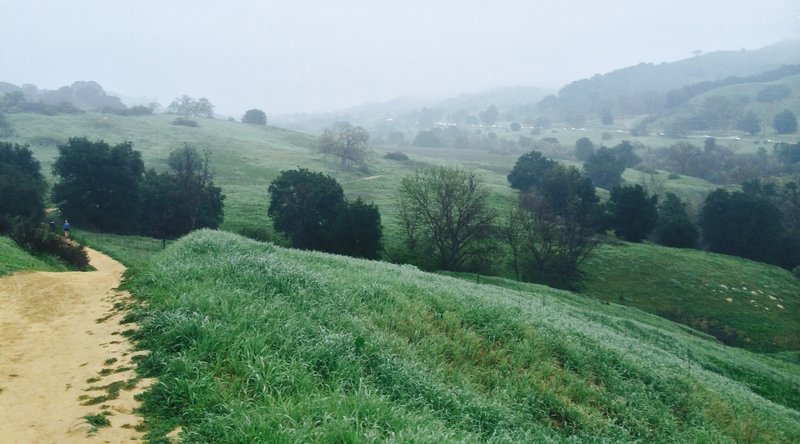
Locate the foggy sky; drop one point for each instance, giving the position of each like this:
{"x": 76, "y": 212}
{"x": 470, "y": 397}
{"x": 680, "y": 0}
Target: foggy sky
{"x": 301, "y": 55}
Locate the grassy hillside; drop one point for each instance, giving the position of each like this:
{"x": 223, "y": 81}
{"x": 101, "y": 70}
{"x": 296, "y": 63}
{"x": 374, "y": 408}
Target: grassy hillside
{"x": 246, "y": 158}
{"x": 746, "y": 96}
{"x": 254, "y": 343}
{"x": 743, "y": 303}
{"x": 15, "y": 258}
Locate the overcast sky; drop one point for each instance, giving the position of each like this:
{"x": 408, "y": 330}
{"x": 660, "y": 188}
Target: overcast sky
{"x": 301, "y": 55}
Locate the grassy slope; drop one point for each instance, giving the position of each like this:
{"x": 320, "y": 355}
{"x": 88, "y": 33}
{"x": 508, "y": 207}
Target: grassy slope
{"x": 246, "y": 158}
{"x": 746, "y": 94}
{"x": 254, "y": 343}
{"x": 745, "y": 303}
{"x": 15, "y": 258}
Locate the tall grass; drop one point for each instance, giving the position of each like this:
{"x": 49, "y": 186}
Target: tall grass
{"x": 254, "y": 343}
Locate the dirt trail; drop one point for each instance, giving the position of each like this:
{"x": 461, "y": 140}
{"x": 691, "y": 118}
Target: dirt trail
{"x": 60, "y": 348}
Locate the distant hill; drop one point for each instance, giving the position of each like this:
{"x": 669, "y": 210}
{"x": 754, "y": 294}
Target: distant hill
{"x": 643, "y": 89}
{"x": 720, "y": 109}
{"x": 410, "y": 111}
{"x": 83, "y": 95}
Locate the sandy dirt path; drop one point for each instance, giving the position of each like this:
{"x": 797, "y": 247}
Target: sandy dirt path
{"x": 60, "y": 349}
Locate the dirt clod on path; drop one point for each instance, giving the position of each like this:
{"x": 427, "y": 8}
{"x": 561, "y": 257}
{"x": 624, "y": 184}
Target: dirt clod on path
{"x": 63, "y": 357}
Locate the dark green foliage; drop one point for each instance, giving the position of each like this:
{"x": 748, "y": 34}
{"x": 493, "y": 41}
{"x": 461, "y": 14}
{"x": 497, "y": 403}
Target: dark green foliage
{"x": 396, "y": 155}
{"x": 99, "y": 185}
{"x": 606, "y": 118}
{"x": 255, "y": 117}
{"x": 787, "y": 153}
{"x": 674, "y": 228}
{"x": 199, "y": 202}
{"x": 446, "y": 215}
{"x": 550, "y": 235}
{"x": 624, "y": 151}
{"x": 6, "y": 130}
{"x": 605, "y": 168}
{"x": 303, "y": 206}
{"x": 515, "y": 126}
{"x": 529, "y": 170}
{"x": 22, "y": 186}
{"x": 584, "y": 148}
{"x": 357, "y": 230}
{"x": 489, "y": 115}
{"x": 749, "y": 123}
{"x": 742, "y": 225}
{"x": 185, "y": 121}
{"x": 713, "y": 163}
{"x": 632, "y": 214}
{"x": 566, "y": 191}
{"x": 773, "y": 93}
{"x": 309, "y": 208}
{"x": 427, "y": 139}
{"x": 785, "y": 122}
{"x": 35, "y": 238}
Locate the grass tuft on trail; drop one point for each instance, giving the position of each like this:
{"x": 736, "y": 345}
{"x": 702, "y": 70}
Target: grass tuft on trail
{"x": 255, "y": 343}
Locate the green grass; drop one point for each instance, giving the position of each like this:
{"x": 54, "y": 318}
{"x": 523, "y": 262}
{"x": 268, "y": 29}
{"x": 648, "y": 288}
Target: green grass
{"x": 132, "y": 251}
{"x": 13, "y": 258}
{"x": 744, "y": 303}
{"x": 746, "y": 95}
{"x": 255, "y": 343}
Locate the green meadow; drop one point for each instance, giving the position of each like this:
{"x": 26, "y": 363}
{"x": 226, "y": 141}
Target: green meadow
{"x": 257, "y": 343}
{"x": 253, "y": 342}
{"x": 246, "y": 158}
{"x": 744, "y": 303}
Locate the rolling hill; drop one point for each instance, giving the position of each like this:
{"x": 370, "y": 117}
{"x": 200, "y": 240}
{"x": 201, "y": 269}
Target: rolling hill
{"x": 246, "y": 158}
{"x": 255, "y": 343}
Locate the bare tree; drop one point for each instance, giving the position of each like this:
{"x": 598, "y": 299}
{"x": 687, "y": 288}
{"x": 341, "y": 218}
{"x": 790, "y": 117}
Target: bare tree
{"x": 446, "y": 211}
{"x": 194, "y": 176}
{"x": 347, "y": 142}
{"x": 548, "y": 246}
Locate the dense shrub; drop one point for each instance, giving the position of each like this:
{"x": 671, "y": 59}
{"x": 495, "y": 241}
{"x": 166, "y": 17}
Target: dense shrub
{"x": 38, "y": 240}
{"x": 185, "y": 121}
{"x": 396, "y": 155}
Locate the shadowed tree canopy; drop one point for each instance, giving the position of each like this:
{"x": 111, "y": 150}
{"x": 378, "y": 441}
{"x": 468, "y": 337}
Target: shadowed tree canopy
{"x": 742, "y": 224}
{"x": 529, "y": 170}
{"x": 583, "y": 148}
{"x": 357, "y": 231}
{"x": 674, "y": 228}
{"x": 309, "y": 208}
{"x": 632, "y": 213}
{"x": 785, "y": 122}
{"x": 98, "y": 184}
{"x": 255, "y": 117}
{"x": 183, "y": 199}
{"x": 22, "y": 186}
{"x": 303, "y": 206}
{"x": 605, "y": 168}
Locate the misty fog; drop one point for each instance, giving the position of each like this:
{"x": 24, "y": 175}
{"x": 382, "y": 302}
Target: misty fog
{"x": 306, "y": 56}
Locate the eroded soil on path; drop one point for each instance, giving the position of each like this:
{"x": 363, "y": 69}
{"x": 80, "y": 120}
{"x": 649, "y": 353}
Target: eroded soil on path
{"x": 63, "y": 357}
